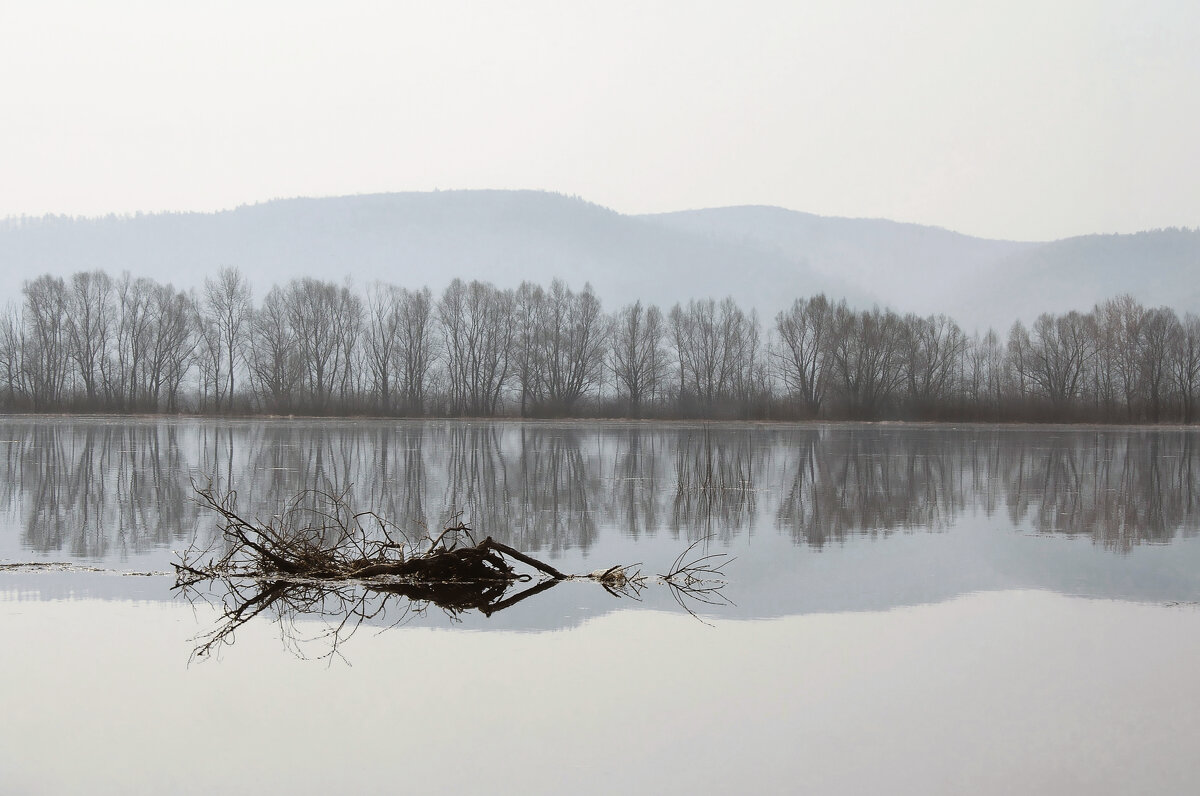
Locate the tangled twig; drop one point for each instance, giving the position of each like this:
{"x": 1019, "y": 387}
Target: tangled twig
{"x": 318, "y": 556}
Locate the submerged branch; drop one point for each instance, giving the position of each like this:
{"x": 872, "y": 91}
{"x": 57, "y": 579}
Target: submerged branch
{"x": 319, "y": 556}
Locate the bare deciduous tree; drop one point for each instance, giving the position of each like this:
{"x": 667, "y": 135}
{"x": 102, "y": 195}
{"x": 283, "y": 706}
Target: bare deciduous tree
{"x": 715, "y": 345}
{"x": 210, "y": 358}
{"x": 89, "y": 325}
{"x": 326, "y": 320}
{"x": 804, "y": 333}
{"x": 1117, "y": 341}
{"x": 129, "y": 344}
{"x": 1154, "y": 358}
{"x": 637, "y": 357}
{"x": 275, "y": 364}
{"x": 12, "y": 349}
{"x": 171, "y": 341}
{"x": 124, "y": 371}
{"x": 866, "y": 358}
{"x": 478, "y": 328}
{"x": 1059, "y": 355}
{"x": 529, "y": 307}
{"x": 573, "y": 340}
{"x": 1185, "y": 364}
{"x": 382, "y": 341}
{"x": 985, "y": 371}
{"x": 416, "y": 351}
{"x": 933, "y": 349}
{"x": 44, "y": 358}
{"x": 227, "y": 302}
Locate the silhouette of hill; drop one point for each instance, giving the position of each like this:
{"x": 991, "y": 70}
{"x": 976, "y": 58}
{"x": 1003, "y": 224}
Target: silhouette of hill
{"x": 763, "y": 256}
{"x": 982, "y": 282}
{"x": 909, "y": 267}
{"x": 1159, "y": 268}
{"x": 413, "y": 239}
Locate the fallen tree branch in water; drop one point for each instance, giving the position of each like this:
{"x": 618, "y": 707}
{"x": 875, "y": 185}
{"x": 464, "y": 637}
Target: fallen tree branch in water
{"x": 320, "y": 537}
{"x": 319, "y": 553}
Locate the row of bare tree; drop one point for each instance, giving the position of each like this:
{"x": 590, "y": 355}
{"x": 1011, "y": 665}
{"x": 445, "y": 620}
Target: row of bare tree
{"x": 95, "y": 343}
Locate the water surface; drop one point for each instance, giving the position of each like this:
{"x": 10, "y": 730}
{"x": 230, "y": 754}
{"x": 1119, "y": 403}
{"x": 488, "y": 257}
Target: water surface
{"x": 915, "y": 609}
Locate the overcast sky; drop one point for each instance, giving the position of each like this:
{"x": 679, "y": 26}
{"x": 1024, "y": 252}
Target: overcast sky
{"x": 1029, "y": 120}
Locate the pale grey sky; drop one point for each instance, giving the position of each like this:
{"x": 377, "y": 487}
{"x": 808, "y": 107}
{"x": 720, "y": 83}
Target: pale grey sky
{"x": 1030, "y": 120}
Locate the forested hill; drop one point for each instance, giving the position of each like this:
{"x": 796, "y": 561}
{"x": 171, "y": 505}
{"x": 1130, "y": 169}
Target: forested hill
{"x": 762, "y": 256}
{"x": 909, "y": 267}
{"x": 415, "y": 239}
{"x": 1159, "y": 268}
{"x": 978, "y": 282}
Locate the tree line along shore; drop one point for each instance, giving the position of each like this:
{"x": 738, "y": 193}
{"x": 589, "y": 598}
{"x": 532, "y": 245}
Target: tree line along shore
{"x": 97, "y": 343}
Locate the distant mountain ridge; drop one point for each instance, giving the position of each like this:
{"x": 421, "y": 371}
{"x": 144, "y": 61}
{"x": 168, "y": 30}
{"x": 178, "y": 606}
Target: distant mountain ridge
{"x": 1158, "y": 267}
{"x": 762, "y": 256}
{"x": 878, "y": 256}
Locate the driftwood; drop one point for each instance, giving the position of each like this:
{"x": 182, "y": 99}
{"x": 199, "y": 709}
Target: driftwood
{"x": 321, "y": 558}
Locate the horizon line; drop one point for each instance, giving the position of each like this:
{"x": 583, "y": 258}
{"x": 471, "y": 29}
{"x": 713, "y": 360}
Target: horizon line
{"x": 130, "y": 215}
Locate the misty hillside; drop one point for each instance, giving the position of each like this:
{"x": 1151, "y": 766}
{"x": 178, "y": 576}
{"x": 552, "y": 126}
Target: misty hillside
{"x": 907, "y": 266}
{"x": 1159, "y": 268}
{"x": 977, "y": 281}
{"x": 762, "y": 256}
{"x": 415, "y": 239}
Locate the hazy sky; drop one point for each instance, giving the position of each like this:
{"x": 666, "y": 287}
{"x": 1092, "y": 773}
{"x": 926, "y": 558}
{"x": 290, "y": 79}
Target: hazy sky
{"x": 1020, "y": 119}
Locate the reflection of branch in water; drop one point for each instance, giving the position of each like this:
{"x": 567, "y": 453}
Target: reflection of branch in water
{"x": 342, "y": 606}
{"x": 699, "y": 578}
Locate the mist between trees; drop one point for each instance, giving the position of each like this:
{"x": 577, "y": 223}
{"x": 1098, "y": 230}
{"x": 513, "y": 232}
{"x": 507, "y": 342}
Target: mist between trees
{"x": 97, "y": 343}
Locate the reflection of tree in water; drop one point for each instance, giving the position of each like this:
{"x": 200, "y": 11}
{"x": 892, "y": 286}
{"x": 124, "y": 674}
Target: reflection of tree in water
{"x": 714, "y": 484}
{"x": 377, "y": 465}
{"x": 45, "y": 473}
{"x": 539, "y": 496}
{"x": 100, "y": 488}
{"x": 558, "y": 488}
{"x": 799, "y": 512}
{"x": 982, "y": 452}
{"x": 853, "y": 481}
{"x": 152, "y": 486}
{"x": 285, "y": 459}
{"x": 1121, "y": 489}
{"x": 395, "y": 481}
{"x": 94, "y": 489}
{"x": 477, "y": 477}
{"x": 637, "y": 481}
{"x": 276, "y": 458}
{"x": 1184, "y": 482}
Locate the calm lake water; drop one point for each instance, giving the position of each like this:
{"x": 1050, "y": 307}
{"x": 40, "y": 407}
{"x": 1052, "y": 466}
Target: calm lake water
{"x": 918, "y": 609}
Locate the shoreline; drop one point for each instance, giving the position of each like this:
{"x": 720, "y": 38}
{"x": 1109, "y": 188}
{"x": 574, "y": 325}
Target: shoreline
{"x": 613, "y": 421}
